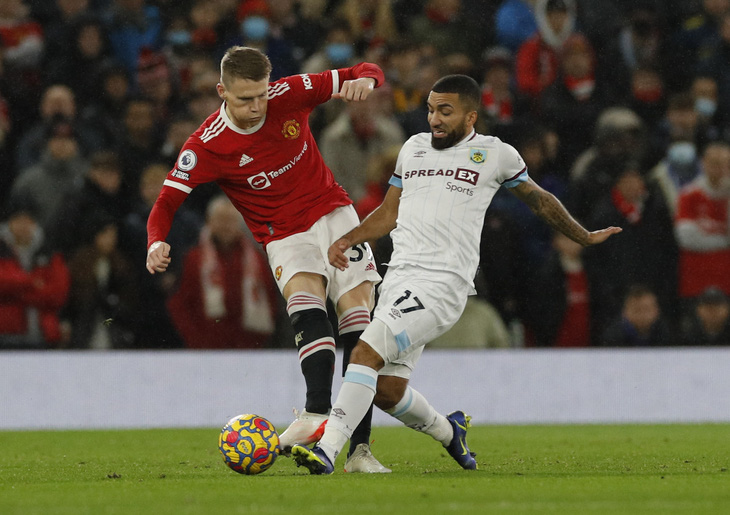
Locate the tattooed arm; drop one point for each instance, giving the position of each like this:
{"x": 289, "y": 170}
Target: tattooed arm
{"x": 545, "y": 205}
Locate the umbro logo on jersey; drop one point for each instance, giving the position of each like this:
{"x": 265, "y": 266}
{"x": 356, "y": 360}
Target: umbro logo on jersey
{"x": 245, "y": 160}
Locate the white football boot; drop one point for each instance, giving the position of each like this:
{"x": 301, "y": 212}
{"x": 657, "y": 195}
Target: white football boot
{"x": 307, "y": 428}
{"x": 362, "y": 460}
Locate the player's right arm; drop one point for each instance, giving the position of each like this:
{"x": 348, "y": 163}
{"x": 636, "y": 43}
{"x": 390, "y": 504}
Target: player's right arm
{"x": 158, "y": 226}
{"x": 378, "y": 223}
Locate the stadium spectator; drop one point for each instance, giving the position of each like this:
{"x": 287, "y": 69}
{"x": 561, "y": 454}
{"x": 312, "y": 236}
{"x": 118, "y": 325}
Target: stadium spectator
{"x": 105, "y": 113}
{"x": 678, "y": 145}
{"x": 59, "y": 171}
{"x": 77, "y": 61}
{"x": 574, "y": 99}
{"x": 98, "y": 196}
{"x": 445, "y": 26}
{"x": 515, "y": 23}
{"x": 637, "y": 44}
{"x": 705, "y": 94}
{"x": 647, "y": 96}
{"x": 104, "y": 294}
{"x": 58, "y": 103}
{"x": 537, "y": 62}
{"x": 413, "y": 120}
{"x": 646, "y": 252}
{"x": 498, "y": 96}
{"x": 133, "y": 25}
{"x": 256, "y": 31}
{"x": 619, "y": 138}
{"x": 709, "y": 323}
{"x": 157, "y": 81}
{"x": 371, "y": 21}
{"x": 479, "y": 327}
{"x": 701, "y": 225}
{"x": 154, "y": 327}
{"x": 640, "y": 324}
{"x": 22, "y": 42}
{"x": 360, "y": 132}
{"x": 559, "y": 307}
{"x": 140, "y": 143}
{"x": 696, "y": 40}
{"x": 225, "y": 298}
{"x": 34, "y": 281}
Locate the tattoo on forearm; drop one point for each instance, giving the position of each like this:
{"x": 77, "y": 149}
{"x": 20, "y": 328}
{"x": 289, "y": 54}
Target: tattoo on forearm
{"x": 550, "y": 209}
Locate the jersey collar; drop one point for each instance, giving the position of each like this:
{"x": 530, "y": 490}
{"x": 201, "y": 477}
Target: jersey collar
{"x": 466, "y": 139}
{"x": 235, "y": 128}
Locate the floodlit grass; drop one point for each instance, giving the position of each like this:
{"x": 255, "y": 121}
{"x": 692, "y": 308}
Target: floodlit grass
{"x": 522, "y": 469}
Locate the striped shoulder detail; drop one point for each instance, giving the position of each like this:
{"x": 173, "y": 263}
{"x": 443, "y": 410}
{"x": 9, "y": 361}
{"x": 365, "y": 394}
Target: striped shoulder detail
{"x": 278, "y": 89}
{"x": 215, "y": 128}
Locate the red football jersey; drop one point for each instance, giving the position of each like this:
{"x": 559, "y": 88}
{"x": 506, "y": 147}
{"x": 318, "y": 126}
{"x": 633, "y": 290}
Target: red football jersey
{"x": 273, "y": 173}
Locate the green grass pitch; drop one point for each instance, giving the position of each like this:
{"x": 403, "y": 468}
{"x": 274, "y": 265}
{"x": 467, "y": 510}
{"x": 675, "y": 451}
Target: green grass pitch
{"x": 522, "y": 469}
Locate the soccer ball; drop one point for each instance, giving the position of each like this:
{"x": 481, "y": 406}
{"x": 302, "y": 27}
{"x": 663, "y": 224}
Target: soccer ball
{"x": 249, "y": 444}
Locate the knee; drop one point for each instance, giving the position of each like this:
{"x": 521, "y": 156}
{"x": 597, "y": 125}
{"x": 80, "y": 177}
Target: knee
{"x": 363, "y": 354}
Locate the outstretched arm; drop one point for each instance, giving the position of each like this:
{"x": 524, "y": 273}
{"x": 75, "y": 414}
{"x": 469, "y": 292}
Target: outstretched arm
{"x": 378, "y": 223}
{"x": 545, "y": 205}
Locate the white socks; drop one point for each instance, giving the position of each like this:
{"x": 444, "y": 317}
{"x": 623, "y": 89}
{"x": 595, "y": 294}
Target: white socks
{"x": 356, "y": 395}
{"x": 415, "y": 412}
{"x": 353, "y": 401}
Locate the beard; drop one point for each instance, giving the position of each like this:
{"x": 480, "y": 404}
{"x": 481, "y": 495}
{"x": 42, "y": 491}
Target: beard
{"x": 451, "y": 138}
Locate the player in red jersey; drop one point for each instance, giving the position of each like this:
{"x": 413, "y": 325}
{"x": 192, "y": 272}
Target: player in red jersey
{"x": 259, "y": 149}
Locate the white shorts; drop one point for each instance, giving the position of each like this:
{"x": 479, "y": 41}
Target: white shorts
{"x": 307, "y": 252}
{"x": 415, "y": 306}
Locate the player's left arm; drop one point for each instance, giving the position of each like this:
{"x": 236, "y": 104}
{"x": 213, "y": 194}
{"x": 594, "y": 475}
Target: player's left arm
{"x": 547, "y": 206}
{"x": 378, "y": 223}
{"x": 359, "y": 81}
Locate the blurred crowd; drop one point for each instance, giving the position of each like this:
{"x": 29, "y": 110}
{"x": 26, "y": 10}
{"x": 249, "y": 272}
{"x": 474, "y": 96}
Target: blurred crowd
{"x": 621, "y": 108}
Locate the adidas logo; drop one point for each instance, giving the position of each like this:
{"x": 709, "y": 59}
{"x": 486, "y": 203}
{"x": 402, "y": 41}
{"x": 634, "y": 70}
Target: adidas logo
{"x": 245, "y": 160}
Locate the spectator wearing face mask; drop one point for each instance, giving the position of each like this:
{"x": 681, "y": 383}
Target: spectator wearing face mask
{"x": 257, "y": 31}
{"x": 680, "y": 162}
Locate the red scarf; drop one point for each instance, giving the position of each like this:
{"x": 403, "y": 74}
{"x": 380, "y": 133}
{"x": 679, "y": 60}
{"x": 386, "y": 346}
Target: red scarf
{"x": 630, "y": 210}
{"x": 582, "y": 89}
{"x": 499, "y": 109}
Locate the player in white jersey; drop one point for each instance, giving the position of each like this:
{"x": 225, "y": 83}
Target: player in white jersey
{"x": 434, "y": 210}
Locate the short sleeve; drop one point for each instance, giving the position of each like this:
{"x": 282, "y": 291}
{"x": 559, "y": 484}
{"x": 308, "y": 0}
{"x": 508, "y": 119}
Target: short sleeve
{"x": 397, "y": 178}
{"x": 511, "y": 166}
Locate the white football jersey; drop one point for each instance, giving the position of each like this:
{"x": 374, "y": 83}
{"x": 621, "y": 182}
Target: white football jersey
{"x": 445, "y": 196}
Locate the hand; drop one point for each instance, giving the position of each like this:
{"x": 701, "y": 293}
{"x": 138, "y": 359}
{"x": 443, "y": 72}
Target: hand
{"x": 596, "y": 237}
{"x": 336, "y": 254}
{"x": 356, "y": 90}
{"x": 158, "y": 257}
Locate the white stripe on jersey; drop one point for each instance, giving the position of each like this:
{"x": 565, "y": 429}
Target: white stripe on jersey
{"x": 278, "y": 89}
{"x": 335, "y": 82}
{"x": 214, "y": 130}
{"x": 177, "y": 186}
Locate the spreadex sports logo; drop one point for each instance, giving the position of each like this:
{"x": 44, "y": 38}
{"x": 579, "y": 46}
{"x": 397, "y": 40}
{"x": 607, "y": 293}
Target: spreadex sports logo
{"x": 460, "y": 174}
